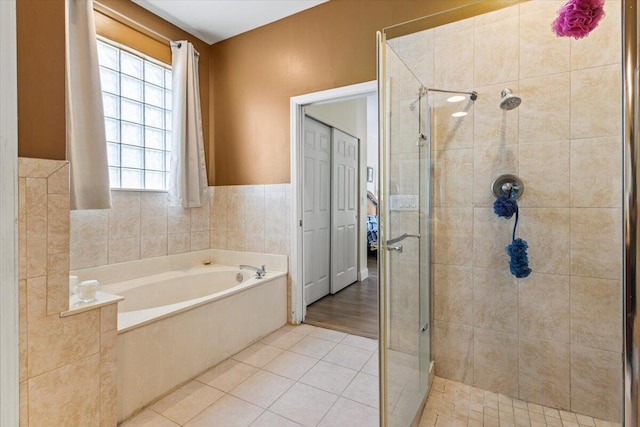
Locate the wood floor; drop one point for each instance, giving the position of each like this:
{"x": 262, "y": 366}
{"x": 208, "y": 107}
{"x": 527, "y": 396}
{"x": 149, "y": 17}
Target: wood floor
{"x": 353, "y": 310}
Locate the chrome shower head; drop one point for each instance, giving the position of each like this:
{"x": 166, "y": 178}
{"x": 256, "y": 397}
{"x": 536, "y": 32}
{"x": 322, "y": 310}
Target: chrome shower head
{"x": 509, "y": 101}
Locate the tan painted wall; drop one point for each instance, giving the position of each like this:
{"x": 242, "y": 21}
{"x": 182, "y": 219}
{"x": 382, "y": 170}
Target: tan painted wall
{"x": 41, "y": 110}
{"x": 255, "y": 74}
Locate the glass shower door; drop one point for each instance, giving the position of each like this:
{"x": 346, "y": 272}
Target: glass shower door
{"x": 405, "y": 239}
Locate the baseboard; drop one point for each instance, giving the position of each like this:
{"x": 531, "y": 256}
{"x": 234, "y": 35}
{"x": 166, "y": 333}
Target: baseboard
{"x": 363, "y": 274}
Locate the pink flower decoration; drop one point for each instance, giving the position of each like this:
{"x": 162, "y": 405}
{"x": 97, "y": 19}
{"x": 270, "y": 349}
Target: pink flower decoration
{"x": 578, "y": 18}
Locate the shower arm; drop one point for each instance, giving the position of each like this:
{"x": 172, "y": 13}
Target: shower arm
{"x": 473, "y": 95}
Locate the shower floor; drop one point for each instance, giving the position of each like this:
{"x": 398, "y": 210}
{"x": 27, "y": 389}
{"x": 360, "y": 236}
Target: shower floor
{"x": 452, "y": 404}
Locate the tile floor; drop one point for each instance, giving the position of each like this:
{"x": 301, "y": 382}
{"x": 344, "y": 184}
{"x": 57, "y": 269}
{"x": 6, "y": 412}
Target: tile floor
{"x": 309, "y": 376}
{"x": 297, "y": 376}
{"x": 452, "y": 404}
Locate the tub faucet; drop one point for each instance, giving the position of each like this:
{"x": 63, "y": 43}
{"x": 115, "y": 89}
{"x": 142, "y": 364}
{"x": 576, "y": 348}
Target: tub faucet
{"x": 260, "y": 272}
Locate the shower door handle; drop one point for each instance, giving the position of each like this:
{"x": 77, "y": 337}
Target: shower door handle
{"x": 401, "y": 238}
{"x": 395, "y": 248}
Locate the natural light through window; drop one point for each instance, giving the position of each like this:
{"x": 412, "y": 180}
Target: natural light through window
{"x": 136, "y": 93}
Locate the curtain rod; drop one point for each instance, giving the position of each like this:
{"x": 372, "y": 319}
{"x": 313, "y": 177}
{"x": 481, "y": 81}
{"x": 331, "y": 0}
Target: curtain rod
{"x": 137, "y": 24}
{"x": 144, "y": 27}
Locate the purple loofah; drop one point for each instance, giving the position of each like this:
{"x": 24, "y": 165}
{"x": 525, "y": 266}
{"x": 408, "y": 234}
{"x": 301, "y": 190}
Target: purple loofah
{"x": 578, "y": 18}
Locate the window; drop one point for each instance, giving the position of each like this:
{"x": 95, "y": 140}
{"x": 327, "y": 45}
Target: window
{"x": 136, "y": 93}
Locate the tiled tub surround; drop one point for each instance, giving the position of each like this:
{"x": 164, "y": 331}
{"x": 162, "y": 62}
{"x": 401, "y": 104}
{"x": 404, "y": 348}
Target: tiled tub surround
{"x": 141, "y": 224}
{"x": 553, "y": 338}
{"x": 166, "y": 337}
{"x": 67, "y": 365}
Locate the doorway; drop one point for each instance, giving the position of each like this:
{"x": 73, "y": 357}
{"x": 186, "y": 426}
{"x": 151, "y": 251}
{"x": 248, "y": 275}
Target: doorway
{"x": 344, "y": 281}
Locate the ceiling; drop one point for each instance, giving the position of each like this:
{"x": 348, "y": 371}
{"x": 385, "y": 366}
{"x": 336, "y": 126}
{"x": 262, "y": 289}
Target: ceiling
{"x": 216, "y": 20}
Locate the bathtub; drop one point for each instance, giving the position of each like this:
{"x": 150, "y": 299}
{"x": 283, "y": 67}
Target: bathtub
{"x": 179, "y": 316}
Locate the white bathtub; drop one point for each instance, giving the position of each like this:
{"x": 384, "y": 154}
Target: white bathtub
{"x": 188, "y": 316}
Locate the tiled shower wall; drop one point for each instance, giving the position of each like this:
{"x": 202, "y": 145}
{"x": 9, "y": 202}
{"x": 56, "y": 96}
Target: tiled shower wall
{"x": 140, "y": 225}
{"x": 553, "y": 338}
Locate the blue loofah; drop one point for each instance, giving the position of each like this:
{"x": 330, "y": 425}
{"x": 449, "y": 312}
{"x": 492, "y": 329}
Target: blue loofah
{"x": 505, "y": 206}
{"x": 519, "y": 263}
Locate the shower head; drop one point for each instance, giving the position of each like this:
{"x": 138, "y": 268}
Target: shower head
{"x": 509, "y": 101}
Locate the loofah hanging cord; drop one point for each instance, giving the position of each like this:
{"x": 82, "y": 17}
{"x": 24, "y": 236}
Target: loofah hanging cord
{"x": 518, "y": 260}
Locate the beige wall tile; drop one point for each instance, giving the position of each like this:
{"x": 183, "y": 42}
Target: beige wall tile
{"x": 108, "y": 318}
{"x": 492, "y": 125}
{"x": 543, "y": 303}
{"x": 452, "y": 232}
{"x": 453, "y": 172}
{"x": 544, "y": 170}
{"x": 601, "y": 118}
{"x": 68, "y": 396}
{"x": 596, "y": 378}
{"x": 541, "y": 51}
{"x": 495, "y": 300}
{"x": 596, "y": 172}
{"x": 453, "y": 71}
{"x": 153, "y": 246}
{"x": 57, "y": 283}
{"x": 420, "y": 54}
{"x": 254, "y": 242}
{"x": 109, "y": 379}
{"x": 55, "y": 342}
{"x": 453, "y": 351}
{"x": 235, "y": 241}
{"x": 603, "y": 46}
{"x": 545, "y": 113}
{"x": 58, "y": 223}
{"x": 38, "y": 168}
{"x": 547, "y": 232}
{"x": 595, "y": 250}
{"x": 22, "y": 228}
{"x": 218, "y": 239}
{"x": 153, "y": 214}
{"x": 276, "y": 213}
{"x": 36, "y": 299}
{"x": 179, "y": 243}
{"x": 89, "y": 225}
{"x": 488, "y": 164}
{"x": 200, "y": 218}
{"x": 448, "y": 132}
{"x": 596, "y": 313}
{"x": 123, "y": 250}
{"x": 495, "y": 361}
{"x": 219, "y": 206}
{"x": 544, "y": 372}
{"x": 235, "y": 212}
{"x": 89, "y": 254}
{"x": 496, "y": 47}
{"x": 36, "y": 221}
{"x": 22, "y": 328}
{"x": 124, "y": 215}
{"x": 24, "y": 404}
{"x": 276, "y": 244}
{"x": 491, "y": 235}
{"x": 200, "y": 240}
{"x": 453, "y": 294}
{"x": 58, "y": 181}
{"x": 179, "y": 220}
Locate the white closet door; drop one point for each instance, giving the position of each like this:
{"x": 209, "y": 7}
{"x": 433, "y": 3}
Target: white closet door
{"x": 316, "y": 221}
{"x": 344, "y": 208}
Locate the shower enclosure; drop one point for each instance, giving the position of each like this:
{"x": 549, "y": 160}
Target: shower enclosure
{"x": 467, "y": 96}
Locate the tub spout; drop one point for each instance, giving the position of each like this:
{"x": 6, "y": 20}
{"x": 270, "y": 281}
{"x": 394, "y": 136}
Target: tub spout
{"x": 260, "y": 272}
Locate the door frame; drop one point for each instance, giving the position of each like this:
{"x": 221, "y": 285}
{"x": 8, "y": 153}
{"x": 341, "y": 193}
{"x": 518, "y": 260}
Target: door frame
{"x": 9, "y": 344}
{"x": 297, "y": 103}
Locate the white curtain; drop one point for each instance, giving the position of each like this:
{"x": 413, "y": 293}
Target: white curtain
{"x": 188, "y": 173}
{"x": 86, "y": 140}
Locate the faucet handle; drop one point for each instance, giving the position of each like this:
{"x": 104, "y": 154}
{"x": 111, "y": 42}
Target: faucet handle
{"x": 264, "y": 268}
